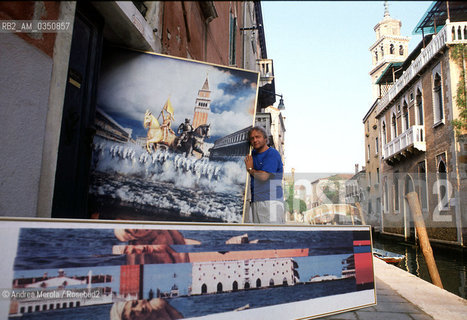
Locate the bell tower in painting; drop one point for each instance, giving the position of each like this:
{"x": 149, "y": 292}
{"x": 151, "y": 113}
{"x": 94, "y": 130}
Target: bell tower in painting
{"x": 202, "y": 105}
{"x": 390, "y": 48}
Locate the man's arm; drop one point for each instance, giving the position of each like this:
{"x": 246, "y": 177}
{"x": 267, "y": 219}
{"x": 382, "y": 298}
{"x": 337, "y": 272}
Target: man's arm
{"x": 257, "y": 174}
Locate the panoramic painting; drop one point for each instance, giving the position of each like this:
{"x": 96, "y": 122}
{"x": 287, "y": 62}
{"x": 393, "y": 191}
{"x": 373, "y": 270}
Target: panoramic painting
{"x": 116, "y": 271}
{"x": 170, "y": 139}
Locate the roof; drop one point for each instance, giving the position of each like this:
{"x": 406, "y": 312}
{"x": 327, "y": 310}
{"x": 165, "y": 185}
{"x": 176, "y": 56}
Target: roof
{"x": 437, "y": 12}
{"x": 386, "y": 76}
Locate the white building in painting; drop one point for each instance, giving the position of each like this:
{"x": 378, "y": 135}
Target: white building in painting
{"x": 225, "y": 276}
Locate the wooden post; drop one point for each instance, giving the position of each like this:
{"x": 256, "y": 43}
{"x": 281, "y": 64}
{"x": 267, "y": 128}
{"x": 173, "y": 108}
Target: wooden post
{"x": 412, "y": 198}
{"x": 359, "y": 207}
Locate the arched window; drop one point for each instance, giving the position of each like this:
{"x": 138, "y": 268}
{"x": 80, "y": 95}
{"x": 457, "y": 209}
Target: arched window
{"x": 443, "y": 201}
{"x": 284, "y": 282}
{"x": 376, "y": 56}
{"x": 247, "y": 285}
{"x": 393, "y": 127}
{"x": 219, "y": 287}
{"x": 204, "y": 288}
{"x": 382, "y": 51}
{"x": 405, "y": 117}
{"x": 235, "y": 286}
{"x": 271, "y": 282}
{"x": 438, "y": 98}
{"x": 384, "y": 136}
{"x": 258, "y": 283}
{"x": 419, "y": 102}
{"x": 391, "y": 49}
{"x": 459, "y": 33}
{"x": 401, "y": 50}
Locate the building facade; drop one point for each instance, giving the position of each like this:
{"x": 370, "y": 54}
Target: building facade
{"x": 419, "y": 149}
{"x": 52, "y": 82}
{"x": 225, "y": 276}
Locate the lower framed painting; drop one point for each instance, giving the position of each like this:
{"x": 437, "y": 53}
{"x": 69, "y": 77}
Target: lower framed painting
{"x": 100, "y": 270}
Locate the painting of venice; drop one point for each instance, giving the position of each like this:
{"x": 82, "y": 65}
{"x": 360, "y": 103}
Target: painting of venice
{"x": 116, "y": 271}
{"x": 170, "y": 139}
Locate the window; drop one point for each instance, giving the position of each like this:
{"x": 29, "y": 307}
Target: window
{"x": 442, "y": 183}
{"x": 422, "y": 188}
{"x": 376, "y": 146}
{"x": 393, "y": 127}
{"x": 401, "y": 50}
{"x": 437, "y": 99}
{"x": 391, "y": 49}
{"x": 405, "y": 117}
{"x": 368, "y": 154}
{"x": 382, "y": 51}
{"x": 419, "y": 109}
{"x": 232, "y": 39}
{"x": 377, "y": 173}
{"x": 384, "y": 138}
{"x": 376, "y": 56}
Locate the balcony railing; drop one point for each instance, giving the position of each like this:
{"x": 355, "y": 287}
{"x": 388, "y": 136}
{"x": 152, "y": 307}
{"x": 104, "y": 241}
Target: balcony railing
{"x": 413, "y": 137}
{"x": 452, "y": 33}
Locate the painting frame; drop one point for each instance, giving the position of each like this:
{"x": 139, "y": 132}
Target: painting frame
{"x": 205, "y": 176}
{"x": 242, "y": 238}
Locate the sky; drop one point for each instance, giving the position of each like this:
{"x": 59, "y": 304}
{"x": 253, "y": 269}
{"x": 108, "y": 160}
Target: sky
{"x": 322, "y": 62}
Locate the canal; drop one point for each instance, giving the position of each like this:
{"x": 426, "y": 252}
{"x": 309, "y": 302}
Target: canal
{"x": 452, "y": 264}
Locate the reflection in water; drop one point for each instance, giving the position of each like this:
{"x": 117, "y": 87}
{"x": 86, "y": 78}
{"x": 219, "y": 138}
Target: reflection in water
{"x": 452, "y": 265}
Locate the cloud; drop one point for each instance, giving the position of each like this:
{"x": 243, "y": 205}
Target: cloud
{"x": 132, "y": 82}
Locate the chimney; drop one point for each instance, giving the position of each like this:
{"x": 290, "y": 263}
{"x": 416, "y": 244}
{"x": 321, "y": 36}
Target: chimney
{"x": 356, "y": 168}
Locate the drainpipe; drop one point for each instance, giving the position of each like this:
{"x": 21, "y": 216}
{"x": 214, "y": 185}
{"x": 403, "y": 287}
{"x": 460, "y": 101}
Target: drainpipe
{"x": 243, "y": 34}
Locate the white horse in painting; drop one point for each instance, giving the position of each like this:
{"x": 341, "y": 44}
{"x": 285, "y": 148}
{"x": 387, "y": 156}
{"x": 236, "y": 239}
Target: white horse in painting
{"x": 156, "y": 133}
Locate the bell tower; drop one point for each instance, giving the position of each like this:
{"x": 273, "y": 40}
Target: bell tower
{"x": 202, "y": 105}
{"x": 390, "y": 47}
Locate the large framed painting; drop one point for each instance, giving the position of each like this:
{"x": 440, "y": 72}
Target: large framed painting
{"x": 99, "y": 270}
{"x": 170, "y": 138}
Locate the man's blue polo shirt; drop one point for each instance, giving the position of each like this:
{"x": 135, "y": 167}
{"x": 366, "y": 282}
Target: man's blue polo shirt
{"x": 268, "y": 161}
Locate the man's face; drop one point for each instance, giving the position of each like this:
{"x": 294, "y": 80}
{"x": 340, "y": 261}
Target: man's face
{"x": 257, "y": 140}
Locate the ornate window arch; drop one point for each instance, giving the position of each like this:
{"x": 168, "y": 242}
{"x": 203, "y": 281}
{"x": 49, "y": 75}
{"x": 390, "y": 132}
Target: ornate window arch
{"x": 405, "y": 116}
{"x": 384, "y": 138}
{"x": 419, "y": 106}
{"x": 442, "y": 183}
{"x": 393, "y": 126}
{"x": 391, "y": 48}
{"x": 438, "y": 109}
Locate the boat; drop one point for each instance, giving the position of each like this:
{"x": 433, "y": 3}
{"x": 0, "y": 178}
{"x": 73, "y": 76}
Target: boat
{"x": 388, "y": 256}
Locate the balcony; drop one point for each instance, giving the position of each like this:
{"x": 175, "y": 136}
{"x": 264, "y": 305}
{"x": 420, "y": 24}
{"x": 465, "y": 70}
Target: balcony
{"x": 408, "y": 142}
{"x": 266, "y": 71}
{"x": 452, "y": 33}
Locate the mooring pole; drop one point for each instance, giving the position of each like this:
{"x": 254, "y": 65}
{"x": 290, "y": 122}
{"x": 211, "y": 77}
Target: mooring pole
{"x": 412, "y": 198}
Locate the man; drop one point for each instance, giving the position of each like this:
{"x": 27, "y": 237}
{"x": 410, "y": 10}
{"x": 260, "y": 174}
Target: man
{"x": 185, "y": 129}
{"x": 266, "y": 169}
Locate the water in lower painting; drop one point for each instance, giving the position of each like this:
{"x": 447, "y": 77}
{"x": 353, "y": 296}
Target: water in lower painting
{"x": 100, "y": 270}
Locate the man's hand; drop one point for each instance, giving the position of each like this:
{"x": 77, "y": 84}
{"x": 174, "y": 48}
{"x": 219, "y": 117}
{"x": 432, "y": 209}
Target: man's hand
{"x": 248, "y": 162}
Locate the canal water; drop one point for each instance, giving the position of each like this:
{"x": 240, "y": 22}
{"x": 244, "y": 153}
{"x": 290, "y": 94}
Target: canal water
{"x": 452, "y": 264}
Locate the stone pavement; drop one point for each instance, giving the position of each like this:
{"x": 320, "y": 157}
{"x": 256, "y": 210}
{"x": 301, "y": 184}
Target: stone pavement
{"x": 403, "y": 296}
